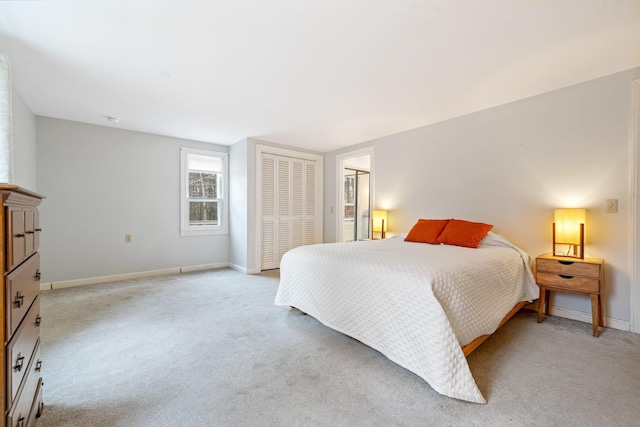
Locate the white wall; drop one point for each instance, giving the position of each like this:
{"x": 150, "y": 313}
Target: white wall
{"x": 242, "y": 156}
{"x": 102, "y": 183}
{"x": 511, "y": 166}
{"x": 24, "y": 143}
{"x": 238, "y": 213}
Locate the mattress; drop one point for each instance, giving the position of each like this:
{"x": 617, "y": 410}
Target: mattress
{"x": 415, "y": 303}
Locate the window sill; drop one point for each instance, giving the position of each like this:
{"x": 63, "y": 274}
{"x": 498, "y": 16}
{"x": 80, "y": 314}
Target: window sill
{"x": 187, "y": 233}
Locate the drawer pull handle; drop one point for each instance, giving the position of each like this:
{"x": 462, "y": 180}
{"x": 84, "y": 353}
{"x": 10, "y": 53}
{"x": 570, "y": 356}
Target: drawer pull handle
{"x": 566, "y": 262}
{"x": 38, "y": 274}
{"x": 29, "y": 232}
{"x": 565, "y": 277}
{"x": 38, "y": 320}
{"x": 20, "y": 235}
{"x": 38, "y": 229}
{"x": 38, "y": 365}
{"x": 20, "y": 422}
{"x": 19, "y": 300}
{"x": 19, "y": 363}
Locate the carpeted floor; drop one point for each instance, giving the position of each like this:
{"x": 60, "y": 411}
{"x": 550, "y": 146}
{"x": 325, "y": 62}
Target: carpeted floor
{"x": 211, "y": 349}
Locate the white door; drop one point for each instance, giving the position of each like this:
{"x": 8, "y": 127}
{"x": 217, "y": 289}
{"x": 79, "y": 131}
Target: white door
{"x": 311, "y": 235}
{"x": 268, "y": 212}
{"x": 288, "y": 206}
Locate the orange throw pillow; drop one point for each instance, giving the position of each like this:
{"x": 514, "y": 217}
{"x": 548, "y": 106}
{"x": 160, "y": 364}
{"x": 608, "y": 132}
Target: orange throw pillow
{"x": 464, "y": 233}
{"x": 426, "y": 231}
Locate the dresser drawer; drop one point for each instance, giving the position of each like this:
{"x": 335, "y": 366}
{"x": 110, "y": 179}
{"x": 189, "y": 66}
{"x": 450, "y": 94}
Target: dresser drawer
{"x": 15, "y": 240}
{"x": 569, "y": 283}
{"x": 23, "y": 234}
{"x": 21, "y": 348}
{"x": 38, "y": 404}
{"x": 26, "y": 405}
{"x": 569, "y": 268}
{"x": 21, "y": 288}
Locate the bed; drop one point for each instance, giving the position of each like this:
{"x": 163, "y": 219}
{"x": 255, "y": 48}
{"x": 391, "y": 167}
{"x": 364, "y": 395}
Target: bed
{"x": 418, "y": 304}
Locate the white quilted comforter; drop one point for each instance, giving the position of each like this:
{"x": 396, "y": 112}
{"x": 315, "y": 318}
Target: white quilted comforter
{"x": 415, "y": 303}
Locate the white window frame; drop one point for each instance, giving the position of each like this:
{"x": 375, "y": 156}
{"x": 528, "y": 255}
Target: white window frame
{"x": 223, "y": 198}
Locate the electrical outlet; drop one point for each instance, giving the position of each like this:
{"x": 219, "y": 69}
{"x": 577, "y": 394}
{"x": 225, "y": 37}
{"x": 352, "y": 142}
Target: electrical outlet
{"x": 611, "y": 206}
{"x": 127, "y": 238}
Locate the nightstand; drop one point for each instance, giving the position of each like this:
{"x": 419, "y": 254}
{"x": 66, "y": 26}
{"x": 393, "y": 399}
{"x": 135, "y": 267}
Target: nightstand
{"x": 571, "y": 275}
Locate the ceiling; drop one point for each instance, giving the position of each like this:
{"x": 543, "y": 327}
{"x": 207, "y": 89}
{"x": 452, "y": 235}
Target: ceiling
{"x": 313, "y": 74}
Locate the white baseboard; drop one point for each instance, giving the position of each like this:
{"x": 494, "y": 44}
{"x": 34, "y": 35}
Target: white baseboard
{"x": 236, "y": 267}
{"x": 582, "y": 316}
{"x": 245, "y": 270}
{"x": 128, "y": 276}
{"x": 203, "y": 267}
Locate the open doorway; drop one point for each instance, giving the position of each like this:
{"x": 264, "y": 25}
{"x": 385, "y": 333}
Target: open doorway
{"x": 355, "y": 213}
{"x": 355, "y": 195}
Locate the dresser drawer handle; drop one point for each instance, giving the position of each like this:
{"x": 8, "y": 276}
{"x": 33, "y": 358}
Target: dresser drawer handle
{"x": 20, "y": 422}
{"x": 38, "y": 229}
{"x": 38, "y": 320}
{"x": 565, "y": 277}
{"x": 19, "y": 300}
{"x": 38, "y": 365}
{"x": 29, "y": 232}
{"x": 19, "y": 363}
{"x": 566, "y": 262}
{"x": 38, "y": 274}
{"x": 20, "y": 235}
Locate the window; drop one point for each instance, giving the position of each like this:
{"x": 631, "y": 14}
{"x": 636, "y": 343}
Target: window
{"x": 204, "y": 186}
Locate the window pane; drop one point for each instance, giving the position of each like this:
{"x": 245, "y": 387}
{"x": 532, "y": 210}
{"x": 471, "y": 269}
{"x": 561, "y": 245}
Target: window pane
{"x": 203, "y": 213}
{"x": 203, "y": 185}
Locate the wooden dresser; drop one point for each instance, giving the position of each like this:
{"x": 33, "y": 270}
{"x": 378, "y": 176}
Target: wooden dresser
{"x": 21, "y": 392}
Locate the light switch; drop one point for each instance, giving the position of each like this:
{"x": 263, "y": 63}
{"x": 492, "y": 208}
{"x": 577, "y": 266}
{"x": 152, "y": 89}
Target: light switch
{"x": 611, "y": 206}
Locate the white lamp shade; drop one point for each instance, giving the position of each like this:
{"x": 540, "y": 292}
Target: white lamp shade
{"x": 568, "y": 225}
{"x": 377, "y": 218}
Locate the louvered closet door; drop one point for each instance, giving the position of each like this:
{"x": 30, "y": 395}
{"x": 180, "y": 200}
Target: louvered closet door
{"x": 283, "y": 213}
{"x": 269, "y": 251}
{"x": 310, "y": 234}
{"x": 297, "y": 203}
{"x": 288, "y": 206}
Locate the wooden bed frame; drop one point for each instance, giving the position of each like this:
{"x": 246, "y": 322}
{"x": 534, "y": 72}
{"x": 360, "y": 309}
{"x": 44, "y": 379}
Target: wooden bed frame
{"x": 467, "y": 349}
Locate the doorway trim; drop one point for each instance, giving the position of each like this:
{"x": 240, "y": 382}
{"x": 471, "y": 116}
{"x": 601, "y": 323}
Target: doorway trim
{"x": 635, "y": 210}
{"x": 340, "y": 161}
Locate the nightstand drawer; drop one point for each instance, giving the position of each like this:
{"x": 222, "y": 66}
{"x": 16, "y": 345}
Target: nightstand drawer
{"x": 569, "y": 268}
{"x": 569, "y": 282}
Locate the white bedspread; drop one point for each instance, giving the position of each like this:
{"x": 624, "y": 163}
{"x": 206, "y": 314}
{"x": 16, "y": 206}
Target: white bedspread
{"x": 415, "y": 303}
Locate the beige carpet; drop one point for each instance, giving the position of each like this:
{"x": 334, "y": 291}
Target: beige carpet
{"x": 211, "y": 349}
